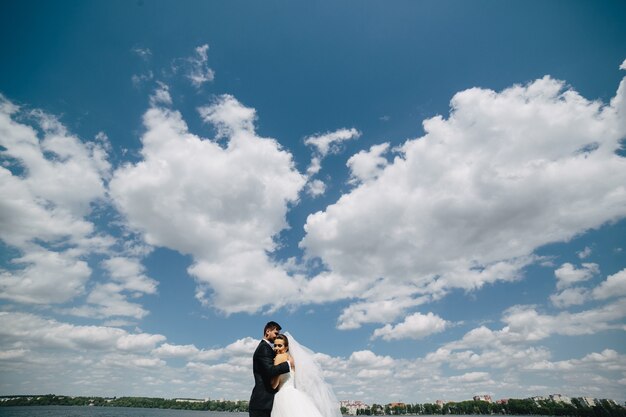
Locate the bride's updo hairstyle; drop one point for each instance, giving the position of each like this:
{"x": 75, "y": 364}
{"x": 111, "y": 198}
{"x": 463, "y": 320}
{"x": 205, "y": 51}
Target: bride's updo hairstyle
{"x": 284, "y": 339}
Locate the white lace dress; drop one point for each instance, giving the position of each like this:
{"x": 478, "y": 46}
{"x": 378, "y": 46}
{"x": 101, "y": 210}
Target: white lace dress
{"x": 290, "y": 402}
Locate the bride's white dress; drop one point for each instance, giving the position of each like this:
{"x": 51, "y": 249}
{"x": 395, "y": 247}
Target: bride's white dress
{"x": 304, "y": 393}
{"x": 291, "y": 402}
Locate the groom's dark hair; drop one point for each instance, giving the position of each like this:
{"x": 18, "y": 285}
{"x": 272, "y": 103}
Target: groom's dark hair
{"x": 271, "y": 325}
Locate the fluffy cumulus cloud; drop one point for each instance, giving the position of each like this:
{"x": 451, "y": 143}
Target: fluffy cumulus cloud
{"x": 49, "y": 182}
{"x": 456, "y": 208}
{"x": 222, "y": 201}
{"x": 366, "y": 165}
{"x": 38, "y": 352}
{"x": 513, "y": 356}
{"x": 483, "y": 360}
{"x": 568, "y": 274}
{"x": 324, "y": 144}
{"x": 373, "y": 311}
{"x": 44, "y": 277}
{"x": 608, "y": 359}
{"x": 569, "y": 297}
{"x": 526, "y": 323}
{"x": 468, "y": 189}
{"x": 614, "y": 286}
{"x": 40, "y": 333}
{"x": 414, "y": 326}
{"x": 330, "y": 142}
{"x": 316, "y": 188}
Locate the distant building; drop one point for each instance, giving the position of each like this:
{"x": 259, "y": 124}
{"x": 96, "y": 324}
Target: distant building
{"x": 352, "y": 406}
{"x": 558, "y": 398}
{"x": 441, "y": 403}
{"x": 190, "y": 400}
{"x": 589, "y": 401}
{"x": 503, "y": 401}
{"x": 393, "y": 406}
{"x": 486, "y": 398}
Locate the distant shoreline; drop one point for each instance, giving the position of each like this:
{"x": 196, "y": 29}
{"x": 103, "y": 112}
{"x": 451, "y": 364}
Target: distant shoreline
{"x": 512, "y": 407}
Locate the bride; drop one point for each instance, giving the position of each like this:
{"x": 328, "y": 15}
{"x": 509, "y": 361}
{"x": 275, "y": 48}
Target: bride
{"x": 303, "y": 391}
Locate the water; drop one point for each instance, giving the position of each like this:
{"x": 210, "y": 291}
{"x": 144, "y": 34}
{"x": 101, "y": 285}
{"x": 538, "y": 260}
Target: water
{"x": 77, "y": 411}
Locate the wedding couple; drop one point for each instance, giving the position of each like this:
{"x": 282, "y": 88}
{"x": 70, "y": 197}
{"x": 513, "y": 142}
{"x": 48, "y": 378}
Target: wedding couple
{"x": 287, "y": 380}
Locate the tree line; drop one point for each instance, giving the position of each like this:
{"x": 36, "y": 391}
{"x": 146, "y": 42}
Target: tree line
{"x": 602, "y": 408}
{"x": 138, "y": 402}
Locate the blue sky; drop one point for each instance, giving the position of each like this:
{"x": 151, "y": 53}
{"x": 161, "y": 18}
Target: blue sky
{"x": 428, "y": 194}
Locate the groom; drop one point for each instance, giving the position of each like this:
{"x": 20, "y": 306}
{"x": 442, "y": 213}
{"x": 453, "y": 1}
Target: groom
{"x": 262, "y": 398}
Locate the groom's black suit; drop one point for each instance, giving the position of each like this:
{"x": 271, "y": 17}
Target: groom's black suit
{"x": 262, "y": 397}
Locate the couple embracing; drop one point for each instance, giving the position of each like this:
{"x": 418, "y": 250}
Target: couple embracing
{"x": 287, "y": 380}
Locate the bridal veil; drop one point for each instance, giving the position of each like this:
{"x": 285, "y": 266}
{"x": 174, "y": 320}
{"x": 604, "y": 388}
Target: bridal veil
{"x": 310, "y": 380}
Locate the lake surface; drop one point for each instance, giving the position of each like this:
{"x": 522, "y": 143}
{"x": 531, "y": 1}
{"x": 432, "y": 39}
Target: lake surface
{"x": 77, "y": 411}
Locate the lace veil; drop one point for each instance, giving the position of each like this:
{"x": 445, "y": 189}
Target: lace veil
{"x": 310, "y": 380}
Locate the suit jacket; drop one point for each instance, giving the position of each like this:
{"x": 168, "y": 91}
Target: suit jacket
{"x": 262, "y": 397}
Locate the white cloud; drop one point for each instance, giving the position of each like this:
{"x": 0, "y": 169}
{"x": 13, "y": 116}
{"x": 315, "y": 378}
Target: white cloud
{"x": 568, "y": 274}
{"x": 513, "y": 364}
{"x": 367, "y": 358}
{"x": 61, "y": 177}
{"x": 222, "y": 204}
{"x": 37, "y": 332}
{"x": 129, "y": 273}
{"x": 376, "y": 311}
{"x": 614, "y": 286}
{"x": 366, "y": 165}
{"x": 415, "y": 326}
{"x": 47, "y": 277}
{"x": 234, "y": 120}
{"x": 139, "y": 79}
{"x": 133, "y": 362}
{"x": 143, "y": 53}
{"x": 499, "y": 356}
{"x": 148, "y": 362}
{"x": 583, "y": 254}
{"x": 316, "y": 188}
{"x": 329, "y": 141}
{"x": 471, "y": 377}
{"x": 161, "y": 96}
{"x": 608, "y": 360}
{"x": 109, "y": 299}
{"x": 315, "y": 166}
{"x": 242, "y": 348}
{"x": 570, "y": 297}
{"x": 198, "y": 71}
{"x": 511, "y": 346}
{"x": 525, "y": 323}
{"x": 49, "y": 182}
{"x": 138, "y": 342}
{"x": 326, "y": 287}
{"x": 167, "y": 350}
{"x": 459, "y": 209}
{"x": 12, "y": 354}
